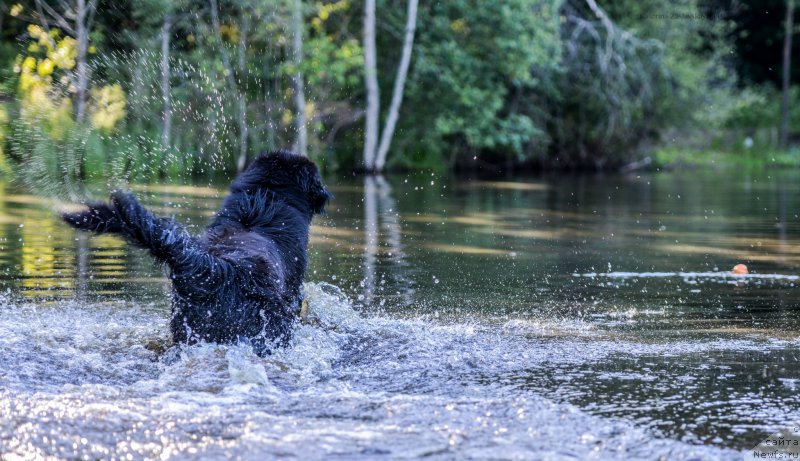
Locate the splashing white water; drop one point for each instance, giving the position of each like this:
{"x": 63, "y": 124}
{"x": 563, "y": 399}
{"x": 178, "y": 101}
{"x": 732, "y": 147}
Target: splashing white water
{"x": 82, "y": 381}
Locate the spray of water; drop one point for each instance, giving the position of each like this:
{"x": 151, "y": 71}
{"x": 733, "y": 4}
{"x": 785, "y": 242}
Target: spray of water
{"x": 349, "y": 385}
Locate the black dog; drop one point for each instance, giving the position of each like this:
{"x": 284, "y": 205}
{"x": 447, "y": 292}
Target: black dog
{"x": 240, "y": 280}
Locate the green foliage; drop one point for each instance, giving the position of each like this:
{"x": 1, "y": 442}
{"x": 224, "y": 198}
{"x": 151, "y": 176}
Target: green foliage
{"x": 473, "y": 61}
{"x": 4, "y": 167}
{"x": 332, "y": 61}
{"x": 46, "y": 137}
{"x": 551, "y": 82}
{"x": 631, "y": 69}
{"x": 753, "y": 159}
{"x": 759, "y": 107}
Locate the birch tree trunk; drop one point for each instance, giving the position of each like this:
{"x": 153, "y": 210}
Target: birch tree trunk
{"x": 399, "y": 85}
{"x": 371, "y": 80}
{"x": 166, "y": 111}
{"x": 301, "y": 145}
{"x": 241, "y": 161}
{"x": 241, "y": 113}
{"x": 787, "y": 68}
{"x": 82, "y": 69}
{"x": 244, "y": 131}
{"x": 241, "y": 61}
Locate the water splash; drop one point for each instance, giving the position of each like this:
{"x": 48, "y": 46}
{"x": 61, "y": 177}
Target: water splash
{"x": 351, "y": 385}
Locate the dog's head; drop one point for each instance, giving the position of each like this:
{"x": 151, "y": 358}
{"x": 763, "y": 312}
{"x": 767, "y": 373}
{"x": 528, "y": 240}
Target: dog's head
{"x": 284, "y": 172}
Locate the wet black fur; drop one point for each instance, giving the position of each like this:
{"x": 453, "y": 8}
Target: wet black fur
{"x": 241, "y": 279}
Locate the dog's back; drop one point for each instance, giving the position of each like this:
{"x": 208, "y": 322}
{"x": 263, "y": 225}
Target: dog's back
{"x": 241, "y": 280}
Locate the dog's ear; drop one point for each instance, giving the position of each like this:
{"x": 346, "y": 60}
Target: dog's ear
{"x": 318, "y": 195}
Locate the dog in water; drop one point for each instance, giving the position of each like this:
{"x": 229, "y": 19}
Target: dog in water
{"x": 239, "y": 281}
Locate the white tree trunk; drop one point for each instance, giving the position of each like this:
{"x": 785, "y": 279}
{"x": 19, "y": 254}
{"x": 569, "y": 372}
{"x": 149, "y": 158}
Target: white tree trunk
{"x": 399, "y": 85}
{"x": 244, "y": 131}
{"x": 166, "y": 111}
{"x": 787, "y": 69}
{"x": 82, "y": 69}
{"x": 242, "y": 160}
{"x": 371, "y": 80}
{"x": 241, "y": 113}
{"x": 301, "y": 146}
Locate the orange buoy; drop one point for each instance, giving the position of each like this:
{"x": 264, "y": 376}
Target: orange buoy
{"x": 740, "y": 269}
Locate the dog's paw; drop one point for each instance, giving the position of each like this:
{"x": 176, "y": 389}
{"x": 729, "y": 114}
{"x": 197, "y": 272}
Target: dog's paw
{"x": 97, "y": 217}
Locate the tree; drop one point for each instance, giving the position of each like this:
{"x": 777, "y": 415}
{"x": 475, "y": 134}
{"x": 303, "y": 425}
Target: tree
{"x": 630, "y": 69}
{"x": 399, "y": 85}
{"x": 166, "y": 112}
{"x": 230, "y": 79}
{"x": 570, "y": 83}
{"x": 787, "y": 68}
{"x": 3, "y": 9}
{"x": 614, "y": 83}
{"x": 478, "y": 69}
{"x": 374, "y": 153}
{"x": 299, "y": 84}
{"x": 75, "y": 18}
{"x": 371, "y": 81}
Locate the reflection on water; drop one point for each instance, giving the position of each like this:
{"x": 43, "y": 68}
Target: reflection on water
{"x": 382, "y": 222}
{"x": 584, "y": 317}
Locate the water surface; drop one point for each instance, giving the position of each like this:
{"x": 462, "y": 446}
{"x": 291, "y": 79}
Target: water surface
{"x": 587, "y": 317}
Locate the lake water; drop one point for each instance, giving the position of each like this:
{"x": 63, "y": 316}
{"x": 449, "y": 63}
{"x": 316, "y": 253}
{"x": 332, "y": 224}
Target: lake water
{"x": 564, "y": 318}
